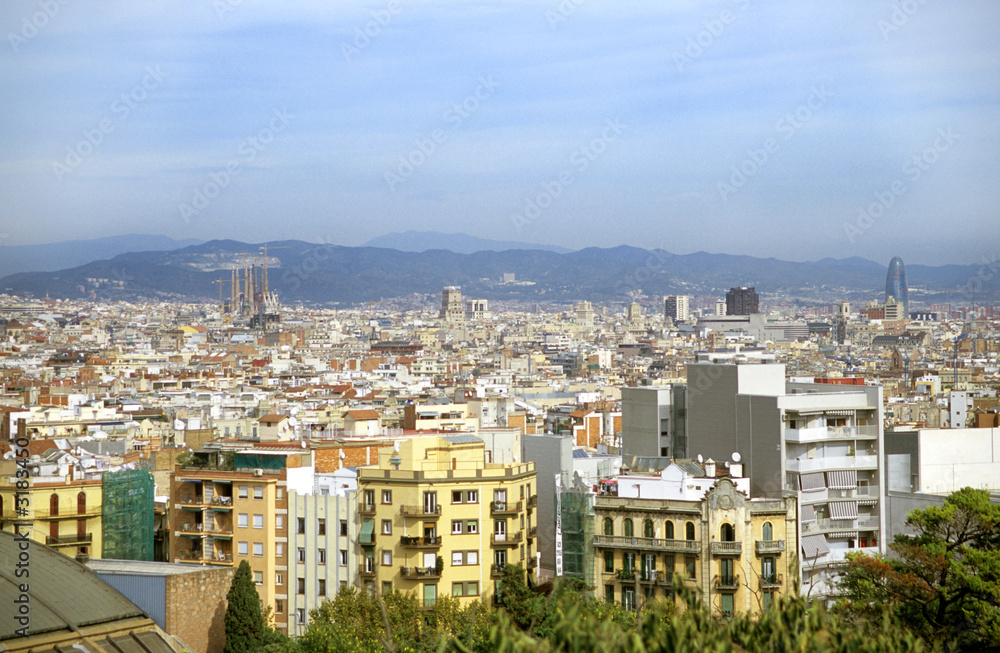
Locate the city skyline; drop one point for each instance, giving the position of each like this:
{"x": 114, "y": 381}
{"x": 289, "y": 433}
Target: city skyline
{"x": 860, "y": 130}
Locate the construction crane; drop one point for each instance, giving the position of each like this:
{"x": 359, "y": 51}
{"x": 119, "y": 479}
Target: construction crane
{"x": 264, "y": 248}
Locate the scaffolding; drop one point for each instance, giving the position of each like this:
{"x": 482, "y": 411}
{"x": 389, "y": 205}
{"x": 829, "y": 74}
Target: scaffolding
{"x": 575, "y": 506}
{"x": 127, "y": 515}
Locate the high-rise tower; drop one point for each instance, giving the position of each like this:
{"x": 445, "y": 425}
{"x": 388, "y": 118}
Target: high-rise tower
{"x": 895, "y": 284}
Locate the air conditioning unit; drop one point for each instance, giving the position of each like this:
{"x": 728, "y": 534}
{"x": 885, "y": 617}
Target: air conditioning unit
{"x": 258, "y": 472}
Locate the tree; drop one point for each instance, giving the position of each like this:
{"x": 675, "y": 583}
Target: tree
{"x": 246, "y": 631}
{"x": 943, "y": 582}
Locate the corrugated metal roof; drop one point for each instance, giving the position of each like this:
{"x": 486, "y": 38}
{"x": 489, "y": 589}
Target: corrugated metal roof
{"x": 580, "y": 453}
{"x": 143, "y": 568}
{"x": 461, "y": 439}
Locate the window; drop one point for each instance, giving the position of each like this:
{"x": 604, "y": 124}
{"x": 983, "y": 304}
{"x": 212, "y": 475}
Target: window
{"x": 258, "y": 521}
{"x": 456, "y": 528}
{"x": 387, "y": 557}
{"x": 668, "y": 529}
{"x": 300, "y": 526}
{"x": 457, "y": 558}
{"x": 726, "y": 571}
{"x": 343, "y": 527}
{"x": 258, "y": 548}
{"x": 279, "y": 550}
{"x": 81, "y": 503}
{"x": 386, "y": 527}
{"x": 321, "y": 556}
{"x": 242, "y": 492}
{"x": 609, "y": 526}
{"x": 279, "y": 493}
{"x": 472, "y": 526}
{"x": 300, "y": 587}
{"x": 628, "y": 527}
{"x": 279, "y": 578}
{"x": 279, "y": 606}
{"x": 689, "y": 530}
{"x": 279, "y": 522}
{"x": 386, "y": 586}
{"x": 430, "y": 595}
{"x": 767, "y": 532}
{"x": 386, "y": 496}
{"x": 768, "y": 570}
{"x": 628, "y": 562}
{"x": 258, "y": 492}
{"x": 609, "y": 593}
{"x": 258, "y": 578}
{"x": 300, "y": 554}
{"x": 321, "y": 527}
{"x": 668, "y": 565}
{"x": 472, "y": 557}
{"x": 369, "y": 499}
{"x": 691, "y": 566}
{"x": 242, "y": 548}
{"x": 465, "y": 589}
{"x": 727, "y": 605}
{"x": 727, "y": 533}
{"x": 609, "y": 561}
{"x": 343, "y": 558}
{"x": 54, "y": 504}
{"x": 457, "y": 589}
{"x": 242, "y": 520}
{"x": 300, "y": 613}
{"x": 628, "y": 598}
{"x": 472, "y": 496}
{"x": 647, "y": 528}
{"x": 322, "y": 587}
{"x": 456, "y": 496}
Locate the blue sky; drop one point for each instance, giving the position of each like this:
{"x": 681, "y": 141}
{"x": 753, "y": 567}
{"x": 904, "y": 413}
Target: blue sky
{"x": 785, "y": 129}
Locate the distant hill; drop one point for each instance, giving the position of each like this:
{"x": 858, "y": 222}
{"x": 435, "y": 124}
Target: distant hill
{"x": 307, "y": 272}
{"x": 71, "y": 253}
{"x": 422, "y": 241}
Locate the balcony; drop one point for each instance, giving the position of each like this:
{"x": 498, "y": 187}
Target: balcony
{"x": 366, "y": 508}
{"x": 496, "y": 570}
{"x": 727, "y": 548}
{"x": 367, "y": 570}
{"x": 424, "y": 512}
{"x": 418, "y": 542}
{"x": 505, "y": 507}
{"x": 648, "y": 543}
{"x": 831, "y": 433}
{"x": 69, "y": 540}
{"x": 221, "y": 532}
{"x": 764, "y": 547}
{"x": 645, "y": 576}
{"x": 93, "y": 511}
{"x": 863, "y": 523}
{"x": 828, "y": 463}
{"x": 771, "y": 582}
{"x": 506, "y": 539}
{"x": 532, "y": 532}
{"x": 727, "y": 582}
{"x": 532, "y": 563}
{"x": 533, "y": 501}
{"x": 419, "y": 572}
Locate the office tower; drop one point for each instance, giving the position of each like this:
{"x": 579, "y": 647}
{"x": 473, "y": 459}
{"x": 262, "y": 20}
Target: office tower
{"x": 676, "y": 307}
{"x": 452, "y": 306}
{"x": 742, "y": 301}
{"x": 895, "y": 285}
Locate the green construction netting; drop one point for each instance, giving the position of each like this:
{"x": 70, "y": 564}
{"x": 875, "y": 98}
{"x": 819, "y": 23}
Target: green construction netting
{"x": 242, "y": 460}
{"x": 127, "y": 515}
{"x": 577, "y": 535}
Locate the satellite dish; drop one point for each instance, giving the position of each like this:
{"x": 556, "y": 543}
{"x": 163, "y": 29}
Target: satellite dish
{"x": 701, "y": 459}
{"x": 736, "y": 456}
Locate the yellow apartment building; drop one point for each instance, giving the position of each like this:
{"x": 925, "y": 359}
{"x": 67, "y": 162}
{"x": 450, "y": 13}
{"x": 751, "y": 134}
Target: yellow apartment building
{"x": 436, "y": 519}
{"x": 737, "y": 551}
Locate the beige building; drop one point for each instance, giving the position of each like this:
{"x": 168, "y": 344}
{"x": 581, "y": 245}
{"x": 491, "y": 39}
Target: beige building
{"x": 437, "y": 518}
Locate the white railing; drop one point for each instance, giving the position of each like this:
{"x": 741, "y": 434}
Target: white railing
{"x": 825, "y": 463}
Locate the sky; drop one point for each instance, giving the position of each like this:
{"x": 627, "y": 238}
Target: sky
{"x": 773, "y": 129}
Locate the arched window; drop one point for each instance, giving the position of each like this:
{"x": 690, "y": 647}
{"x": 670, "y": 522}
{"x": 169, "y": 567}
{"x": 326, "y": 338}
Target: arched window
{"x": 668, "y": 529}
{"x": 81, "y": 503}
{"x": 647, "y": 528}
{"x": 689, "y": 530}
{"x": 728, "y": 534}
{"x": 628, "y": 528}
{"x": 54, "y": 504}
{"x": 768, "y": 534}
{"x": 609, "y": 526}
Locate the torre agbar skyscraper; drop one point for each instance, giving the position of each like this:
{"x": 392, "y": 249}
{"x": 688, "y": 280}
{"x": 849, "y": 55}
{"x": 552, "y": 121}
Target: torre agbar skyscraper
{"x": 895, "y": 284}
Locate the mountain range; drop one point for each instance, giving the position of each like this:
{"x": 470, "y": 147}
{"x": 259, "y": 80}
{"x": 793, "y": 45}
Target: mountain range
{"x": 326, "y": 274}
{"x": 71, "y": 253}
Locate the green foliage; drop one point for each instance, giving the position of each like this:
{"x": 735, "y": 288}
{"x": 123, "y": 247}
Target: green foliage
{"x": 943, "y": 582}
{"x": 246, "y": 631}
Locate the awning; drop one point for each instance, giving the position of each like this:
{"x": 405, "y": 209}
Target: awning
{"x": 852, "y": 535}
{"x": 813, "y": 481}
{"x": 367, "y": 531}
{"x": 842, "y": 480}
{"x": 843, "y": 510}
{"x": 838, "y": 413}
{"x": 814, "y": 546}
{"x": 808, "y": 513}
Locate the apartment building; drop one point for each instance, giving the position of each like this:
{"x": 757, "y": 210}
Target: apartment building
{"x": 685, "y": 520}
{"x": 437, "y": 518}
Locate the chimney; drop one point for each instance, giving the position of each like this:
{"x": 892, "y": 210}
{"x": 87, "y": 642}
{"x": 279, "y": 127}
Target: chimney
{"x": 710, "y": 468}
{"x": 82, "y": 558}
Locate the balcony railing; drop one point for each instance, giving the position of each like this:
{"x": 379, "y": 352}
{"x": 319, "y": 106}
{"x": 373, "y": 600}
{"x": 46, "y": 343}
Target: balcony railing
{"x": 366, "y": 570}
{"x": 532, "y": 563}
{"x": 533, "y": 531}
{"x": 367, "y": 508}
{"x": 418, "y": 541}
{"x": 496, "y": 570}
{"x": 66, "y": 540}
{"x": 421, "y": 511}
{"x": 645, "y": 576}
{"x": 533, "y": 501}
{"x": 821, "y": 433}
{"x": 727, "y": 582}
{"x": 419, "y": 572}
{"x": 865, "y": 523}
{"x": 861, "y": 461}
{"x": 769, "y": 546}
{"x": 727, "y": 548}
{"x": 505, "y": 507}
{"x": 772, "y": 581}
{"x": 507, "y": 539}
{"x": 651, "y": 543}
